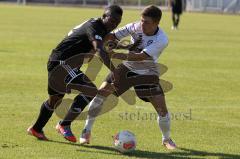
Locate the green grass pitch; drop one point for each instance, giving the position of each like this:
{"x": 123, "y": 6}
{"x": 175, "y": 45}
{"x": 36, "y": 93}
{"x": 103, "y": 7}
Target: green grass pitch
{"x": 203, "y": 60}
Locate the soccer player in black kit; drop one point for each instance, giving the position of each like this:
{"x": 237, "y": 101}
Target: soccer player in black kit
{"x": 176, "y": 8}
{"x": 81, "y": 40}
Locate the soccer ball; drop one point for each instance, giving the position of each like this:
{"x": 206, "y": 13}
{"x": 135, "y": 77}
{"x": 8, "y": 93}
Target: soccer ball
{"x": 124, "y": 141}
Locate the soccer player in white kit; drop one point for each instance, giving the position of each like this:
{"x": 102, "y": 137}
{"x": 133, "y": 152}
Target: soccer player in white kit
{"x": 139, "y": 70}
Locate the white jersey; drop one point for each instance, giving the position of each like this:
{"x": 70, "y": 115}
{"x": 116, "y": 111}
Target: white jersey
{"x": 151, "y": 45}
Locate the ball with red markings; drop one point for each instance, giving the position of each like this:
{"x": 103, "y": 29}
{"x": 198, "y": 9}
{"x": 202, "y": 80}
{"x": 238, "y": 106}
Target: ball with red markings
{"x": 124, "y": 141}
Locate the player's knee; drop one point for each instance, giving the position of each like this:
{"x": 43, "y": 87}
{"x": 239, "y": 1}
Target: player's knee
{"x": 89, "y": 98}
{"x": 163, "y": 113}
{"x": 106, "y": 89}
{"x": 54, "y": 101}
{"x": 164, "y": 118}
{"x": 80, "y": 102}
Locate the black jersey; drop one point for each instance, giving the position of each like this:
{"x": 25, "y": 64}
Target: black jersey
{"x": 176, "y": 6}
{"x": 79, "y": 40}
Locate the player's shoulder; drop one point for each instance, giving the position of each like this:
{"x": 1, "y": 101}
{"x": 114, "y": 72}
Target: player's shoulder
{"x": 94, "y": 21}
{"x": 134, "y": 26}
{"x": 86, "y": 24}
{"x": 96, "y": 24}
{"x": 162, "y": 36}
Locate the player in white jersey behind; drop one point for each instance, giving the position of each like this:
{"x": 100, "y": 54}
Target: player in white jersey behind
{"x": 139, "y": 70}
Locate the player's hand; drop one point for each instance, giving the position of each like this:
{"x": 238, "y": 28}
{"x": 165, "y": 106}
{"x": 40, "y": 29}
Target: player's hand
{"x": 124, "y": 44}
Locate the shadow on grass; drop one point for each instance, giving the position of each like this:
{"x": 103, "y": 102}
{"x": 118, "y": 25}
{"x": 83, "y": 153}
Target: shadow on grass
{"x": 175, "y": 154}
{"x": 61, "y": 142}
{"x": 179, "y": 153}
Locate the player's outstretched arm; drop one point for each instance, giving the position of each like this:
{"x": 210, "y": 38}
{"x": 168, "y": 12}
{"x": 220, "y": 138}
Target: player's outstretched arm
{"x": 98, "y": 47}
{"x": 131, "y": 56}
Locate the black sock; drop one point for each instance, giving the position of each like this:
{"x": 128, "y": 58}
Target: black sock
{"x": 177, "y": 21}
{"x": 173, "y": 19}
{"x": 44, "y": 115}
{"x": 79, "y": 103}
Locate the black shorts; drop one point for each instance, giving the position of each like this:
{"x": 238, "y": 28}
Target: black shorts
{"x": 62, "y": 78}
{"x": 145, "y": 86}
{"x": 177, "y": 9}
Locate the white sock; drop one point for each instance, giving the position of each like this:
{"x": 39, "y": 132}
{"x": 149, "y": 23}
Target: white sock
{"x": 93, "y": 110}
{"x": 164, "y": 125}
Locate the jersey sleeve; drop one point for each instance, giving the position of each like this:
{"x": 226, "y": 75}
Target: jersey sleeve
{"x": 125, "y": 31}
{"x": 93, "y": 34}
{"x": 155, "y": 48}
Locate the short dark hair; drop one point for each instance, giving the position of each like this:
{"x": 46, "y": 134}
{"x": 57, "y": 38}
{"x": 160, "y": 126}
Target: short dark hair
{"x": 113, "y": 10}
{"x": 152, "y": 11}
